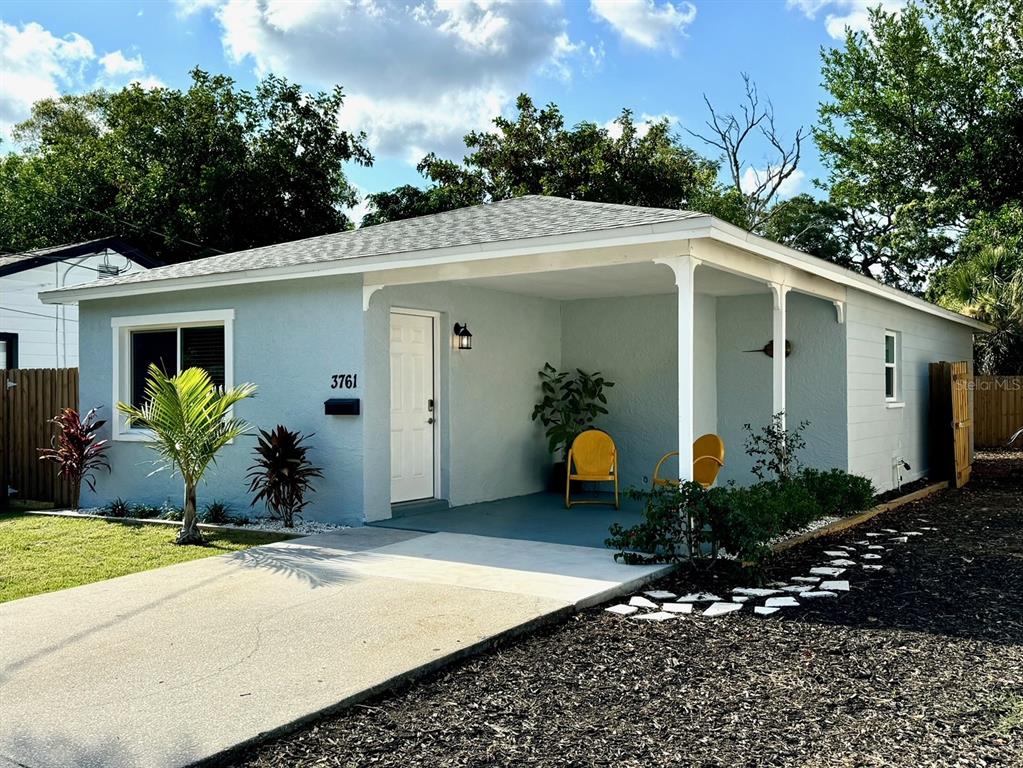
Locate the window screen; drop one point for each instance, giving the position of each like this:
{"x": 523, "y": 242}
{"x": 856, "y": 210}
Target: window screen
{"x": 204, "y": 348}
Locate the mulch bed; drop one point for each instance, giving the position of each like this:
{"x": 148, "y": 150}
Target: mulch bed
{"x": 919, "y": 665}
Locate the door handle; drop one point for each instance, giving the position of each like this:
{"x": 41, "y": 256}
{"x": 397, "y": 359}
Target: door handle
{"x": 430, "y": 420}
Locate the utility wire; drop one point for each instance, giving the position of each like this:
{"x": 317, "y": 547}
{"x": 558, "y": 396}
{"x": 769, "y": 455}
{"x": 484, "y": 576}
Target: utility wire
{"x": 54, "y": 316}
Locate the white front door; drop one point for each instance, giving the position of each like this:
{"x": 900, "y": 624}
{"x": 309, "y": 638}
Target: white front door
{"x": 412, "y": 407}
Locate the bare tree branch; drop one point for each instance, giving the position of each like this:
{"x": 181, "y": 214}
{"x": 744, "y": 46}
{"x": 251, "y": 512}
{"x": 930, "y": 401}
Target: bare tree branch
{"x": 730, "y": 134}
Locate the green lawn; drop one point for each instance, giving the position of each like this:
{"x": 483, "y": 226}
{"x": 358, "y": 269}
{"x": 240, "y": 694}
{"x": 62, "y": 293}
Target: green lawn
{"x": 42, "y": 554}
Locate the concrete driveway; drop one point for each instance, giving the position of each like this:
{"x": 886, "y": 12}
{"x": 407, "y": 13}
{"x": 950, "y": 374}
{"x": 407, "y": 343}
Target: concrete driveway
{"x": 173, "y": 666}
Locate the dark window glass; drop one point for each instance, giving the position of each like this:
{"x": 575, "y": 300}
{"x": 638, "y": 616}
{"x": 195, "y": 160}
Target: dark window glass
{"x": 159, "y": 348}
{"x": 889, "y": 383}
{"x": 204, "y": 348}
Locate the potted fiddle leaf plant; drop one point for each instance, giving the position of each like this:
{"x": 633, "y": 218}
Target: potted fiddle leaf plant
{"x": 571, "y": 403}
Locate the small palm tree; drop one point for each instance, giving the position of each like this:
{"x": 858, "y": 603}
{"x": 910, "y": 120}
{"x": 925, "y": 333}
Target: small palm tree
{"x": 190, "y": 419}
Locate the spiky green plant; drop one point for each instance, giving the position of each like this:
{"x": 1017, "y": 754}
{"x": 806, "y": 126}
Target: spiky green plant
{"x": 190, "y": 419}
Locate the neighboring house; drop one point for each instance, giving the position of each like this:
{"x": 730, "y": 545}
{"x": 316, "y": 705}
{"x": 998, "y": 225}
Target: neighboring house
{"x": 34, "y": 335}
{"x": 674, "y": 307}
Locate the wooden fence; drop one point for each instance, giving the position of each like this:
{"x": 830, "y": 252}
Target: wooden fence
{"x": 997, "y": 409}
{"x": 29, "y": 398}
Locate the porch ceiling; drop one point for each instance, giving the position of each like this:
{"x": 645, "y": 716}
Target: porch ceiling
{"x": 642, "y": 279}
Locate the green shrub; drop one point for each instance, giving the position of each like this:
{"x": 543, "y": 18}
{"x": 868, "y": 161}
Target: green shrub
{"x": 675, "y": 522}
{"x": 216, "y": 513}
{"x": 144, "y": 511}
{"x": 168, "y": 511}
{"x": 774, "y": 449}
{"x": 117, "y": 508}
{"x": 837, "y": 493}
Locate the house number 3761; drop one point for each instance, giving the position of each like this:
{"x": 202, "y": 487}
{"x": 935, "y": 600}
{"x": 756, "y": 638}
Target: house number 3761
{"x": 344, "y": 381}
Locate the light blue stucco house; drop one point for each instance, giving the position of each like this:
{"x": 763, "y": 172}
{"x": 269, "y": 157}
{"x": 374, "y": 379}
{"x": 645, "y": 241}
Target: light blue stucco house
{"x": 675, "y": 307}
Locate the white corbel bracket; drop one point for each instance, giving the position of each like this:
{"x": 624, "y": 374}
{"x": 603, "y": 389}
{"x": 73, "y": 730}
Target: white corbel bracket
{"x": 780, "y": 291}
{"x": 678, "y": 263}
{"x": 367, "y": 294}
{"x": 840, "y": 311}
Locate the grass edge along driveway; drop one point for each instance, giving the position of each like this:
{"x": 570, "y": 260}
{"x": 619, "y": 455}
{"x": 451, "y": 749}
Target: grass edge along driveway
{"x": 43, "y": 554}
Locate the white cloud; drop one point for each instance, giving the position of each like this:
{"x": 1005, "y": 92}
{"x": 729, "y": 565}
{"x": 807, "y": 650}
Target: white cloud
{"x": 642, "y": 124}
{"x": 646, "y": 22}
{"x": 752, "y": 177}
{"x": 116, "y": 64}
{"x": 843, "y": 14}
{"x": 417, "y": 76}
{"x": 37, "y": 65}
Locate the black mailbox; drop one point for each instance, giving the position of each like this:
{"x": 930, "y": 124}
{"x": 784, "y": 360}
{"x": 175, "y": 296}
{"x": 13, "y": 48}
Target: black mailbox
{"x": 341, "y": 406}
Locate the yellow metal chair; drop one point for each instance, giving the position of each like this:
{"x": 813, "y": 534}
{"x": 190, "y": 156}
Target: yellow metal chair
{"x": 708, "y": 458}
{"x": 594, "y": 459}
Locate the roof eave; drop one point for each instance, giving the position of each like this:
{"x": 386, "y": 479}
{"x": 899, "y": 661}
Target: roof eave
{"x": 690, "y": 228}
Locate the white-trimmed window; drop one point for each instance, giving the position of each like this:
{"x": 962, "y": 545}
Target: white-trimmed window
{"x": 891, "y": 366}
{"x": 173, "y": 342}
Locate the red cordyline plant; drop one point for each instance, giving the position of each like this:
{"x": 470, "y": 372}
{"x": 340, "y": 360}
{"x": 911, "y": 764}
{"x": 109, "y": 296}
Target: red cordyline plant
{"x": 76, "y": 451}
{"x": 282, "y": 473}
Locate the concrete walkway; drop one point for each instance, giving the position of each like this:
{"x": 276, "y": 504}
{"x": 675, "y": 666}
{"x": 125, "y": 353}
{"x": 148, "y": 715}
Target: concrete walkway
{"x": 172, "y": 666}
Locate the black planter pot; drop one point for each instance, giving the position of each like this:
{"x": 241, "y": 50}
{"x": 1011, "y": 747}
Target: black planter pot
{"x": 556, "y": 481}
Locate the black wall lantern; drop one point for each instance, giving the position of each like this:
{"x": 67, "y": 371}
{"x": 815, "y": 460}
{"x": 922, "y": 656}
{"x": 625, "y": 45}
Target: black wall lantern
{"x": 463, "y": 339}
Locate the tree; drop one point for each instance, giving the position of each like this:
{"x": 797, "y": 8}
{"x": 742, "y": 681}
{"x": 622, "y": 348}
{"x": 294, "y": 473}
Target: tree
{"x": 986, "y": 282}
{"x": 191, "y": 421}
{"x": 923, "y": 130}
{"x": 755, "y": 191}
{"x": 182, "y": 174}
{"x": 534, "y": 153}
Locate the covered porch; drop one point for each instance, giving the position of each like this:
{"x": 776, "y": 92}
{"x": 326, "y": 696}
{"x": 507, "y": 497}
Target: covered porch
{"x": 688, "y": 340}
{"x": 532, "y": 517}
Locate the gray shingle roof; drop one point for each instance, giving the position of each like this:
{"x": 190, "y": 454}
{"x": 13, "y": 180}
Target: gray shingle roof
{"x": 518, "y": 218}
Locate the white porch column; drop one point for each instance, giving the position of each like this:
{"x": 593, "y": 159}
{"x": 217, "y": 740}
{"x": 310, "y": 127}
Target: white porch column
{"x": 684, "y": 268}
{"x": 780, "y": 292}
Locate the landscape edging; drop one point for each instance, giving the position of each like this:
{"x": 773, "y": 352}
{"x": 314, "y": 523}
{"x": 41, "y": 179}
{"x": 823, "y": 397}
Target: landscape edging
{"x": 158, "y": 521}
{"x": 851, "y": 522}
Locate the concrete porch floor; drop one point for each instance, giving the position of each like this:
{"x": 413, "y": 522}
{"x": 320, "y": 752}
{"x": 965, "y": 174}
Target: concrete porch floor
{"x": 536, "y": 517}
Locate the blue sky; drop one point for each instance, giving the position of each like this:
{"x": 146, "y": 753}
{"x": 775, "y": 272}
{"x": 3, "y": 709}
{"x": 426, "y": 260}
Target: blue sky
{"x": 420, "y": 74}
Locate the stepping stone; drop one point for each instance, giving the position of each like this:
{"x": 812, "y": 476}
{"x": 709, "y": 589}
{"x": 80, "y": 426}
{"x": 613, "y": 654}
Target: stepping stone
{"x": 899, "y": 539}
{"x": 888, "y": 530}
{"x": 872, "y": 567}
{"x": 754, "y": 591}
{"x": 835, "y": 586}
{"x": 781, "y": 602}
{"x": 875, "y": 546}
{"x": 622, "y": 610}
{"x": 844, "y": 562}
{"x": 698, "y": 597}
{"x": 807, "y": 579}
{"x": 740, "y": 598}
{"x": 660, "y": 594}
{"x": 836, "y": 553}
{"x": 642, "y": 602}
{"x": 872, "y": 535}
{"x": 677, "y": 607}
{"x": 814, "y": 595}
{"x": 800, "y": 588}
{"x": 928, "y": 529}
{"x": 862, "y": 542}
{"x": 776, "y": 584}
{"x": 720, "y": 609}
{"x": 763, "y": 610}
{"x": 912, "y": 533}
{"x": 823, "y": 570}
{"x": 655, "y": 616}
{"x": 870, "y": 556}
